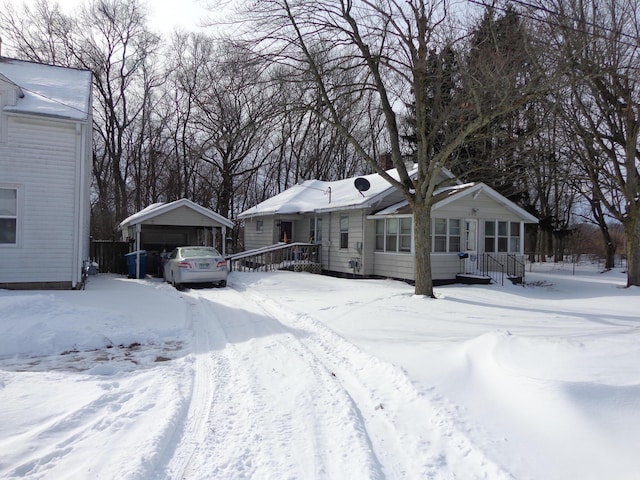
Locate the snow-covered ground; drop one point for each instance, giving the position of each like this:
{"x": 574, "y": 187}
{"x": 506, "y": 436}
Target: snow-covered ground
{"x": 298, "y": 376}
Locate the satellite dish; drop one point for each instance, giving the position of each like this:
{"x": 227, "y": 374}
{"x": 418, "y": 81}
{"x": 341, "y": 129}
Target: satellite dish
{"x": 362, "y": 184}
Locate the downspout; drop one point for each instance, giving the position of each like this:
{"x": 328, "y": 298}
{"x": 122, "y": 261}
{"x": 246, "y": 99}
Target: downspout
{"x": 329, "y": 246}
{"x": 362, "y": 243}
{"x": 77, "y": 220}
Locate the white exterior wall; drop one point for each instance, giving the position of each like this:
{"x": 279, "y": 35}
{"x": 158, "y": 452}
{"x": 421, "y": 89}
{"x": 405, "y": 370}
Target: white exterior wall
{"x": 486, "y": 208}
{"x": 337, "y": 259}
{"x": 43, "y": 158}
{"x": 255, "y": 239}
{"x": 394, "y": 265}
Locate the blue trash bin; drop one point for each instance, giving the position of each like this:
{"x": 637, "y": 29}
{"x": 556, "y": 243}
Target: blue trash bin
{"x": 132, "y": 263}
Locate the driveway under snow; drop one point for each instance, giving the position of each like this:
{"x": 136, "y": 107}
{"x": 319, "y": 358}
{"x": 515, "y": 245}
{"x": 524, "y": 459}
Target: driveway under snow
{"x": 285, "y": 375}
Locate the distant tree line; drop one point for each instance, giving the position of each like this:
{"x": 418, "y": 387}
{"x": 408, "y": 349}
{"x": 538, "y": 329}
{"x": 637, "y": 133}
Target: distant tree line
{"x": 539, "y": 99}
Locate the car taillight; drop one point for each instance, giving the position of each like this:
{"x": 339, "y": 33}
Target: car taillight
{"x": 184, "y": 265}
{"x": 221, "y": 263}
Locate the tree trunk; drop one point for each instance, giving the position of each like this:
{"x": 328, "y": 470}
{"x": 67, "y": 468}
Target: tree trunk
{"x": 632, "y": 232}
{"x": 422, "y": 239}
{"x": 610, "y": 255}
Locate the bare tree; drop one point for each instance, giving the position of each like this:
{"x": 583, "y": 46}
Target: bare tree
{"x": 598, "y": 44}
{"x": 37, "y": 32}
{"x": 388, "y": 49}
{"x": 110, "y": 38}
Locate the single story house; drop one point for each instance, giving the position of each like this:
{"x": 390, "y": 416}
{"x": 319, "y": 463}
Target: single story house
{"x": 161, "y": 227}
{"x": 365, "y": 227}
{"x": 45, "y": 168}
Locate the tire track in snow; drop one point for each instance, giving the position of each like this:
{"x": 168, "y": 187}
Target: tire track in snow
{"x": 436, "y": 447}
{"x": 194, "y": 429}
{"x": 271, "y": 409}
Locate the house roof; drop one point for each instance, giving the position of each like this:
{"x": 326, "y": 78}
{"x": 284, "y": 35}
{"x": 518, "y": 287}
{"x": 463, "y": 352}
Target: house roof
{"x": 157, "y": 209}
{"x": 448, "y": 195}
{"x": 48, "y": 90}
{"x": 320, "y": 196}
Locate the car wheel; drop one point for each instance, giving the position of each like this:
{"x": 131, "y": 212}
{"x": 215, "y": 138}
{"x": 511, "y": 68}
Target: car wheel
{"x": 222, "y": 284}
{"x": 176, "y": 285}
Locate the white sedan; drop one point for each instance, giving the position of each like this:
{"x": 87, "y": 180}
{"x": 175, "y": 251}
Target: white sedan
{"x": 195, "y": 265}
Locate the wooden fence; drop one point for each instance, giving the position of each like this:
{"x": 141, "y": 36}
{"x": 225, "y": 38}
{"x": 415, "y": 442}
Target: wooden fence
{"x": 109, "y": 256}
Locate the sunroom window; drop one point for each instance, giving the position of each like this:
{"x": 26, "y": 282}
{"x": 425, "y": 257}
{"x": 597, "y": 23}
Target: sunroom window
{"x": 394, "y": 235}
{"x": 445, "y": 235}
{"x": 501, "y": 237}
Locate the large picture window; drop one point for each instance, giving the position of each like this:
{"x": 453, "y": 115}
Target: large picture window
{"x": 445, "y": 235}
{"x": 394, "y": 235}
{"x": 501, "y": 237}
{"x": 8, "y": 216}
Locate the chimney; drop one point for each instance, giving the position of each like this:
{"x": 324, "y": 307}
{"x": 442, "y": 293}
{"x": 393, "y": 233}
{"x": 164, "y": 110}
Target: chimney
{"x": 385, "y": 161}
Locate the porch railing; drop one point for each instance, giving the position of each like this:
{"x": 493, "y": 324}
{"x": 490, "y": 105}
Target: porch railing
{"x": 497, "y": 267}
{"x": 280, "y": 256}
{"x": 491, "y": 267}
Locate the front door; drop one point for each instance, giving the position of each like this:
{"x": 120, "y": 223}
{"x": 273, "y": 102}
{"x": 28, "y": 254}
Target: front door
{"x": 286, "y": 231}
{"x": 471, "y": 245}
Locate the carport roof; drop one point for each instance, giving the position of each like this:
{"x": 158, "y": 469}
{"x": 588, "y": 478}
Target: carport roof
{"x": 156, "y": 209}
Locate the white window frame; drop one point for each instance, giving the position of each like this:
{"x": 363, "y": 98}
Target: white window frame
{"x": 3, "y": 119}
{"x": 17, "y": 217}
{"x": 344, "y": 232}
{"x": 448, "y": 235}
{"x": 398, "y": 235}
{"x": 315, "y": 229}
{"x": 503, "y": 234}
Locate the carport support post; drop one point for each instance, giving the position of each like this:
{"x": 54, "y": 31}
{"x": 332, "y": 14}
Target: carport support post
{"x": 138, "y": 229}
{"x": 224, "y": 240}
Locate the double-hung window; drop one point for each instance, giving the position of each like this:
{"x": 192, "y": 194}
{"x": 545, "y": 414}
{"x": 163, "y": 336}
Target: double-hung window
{"x": 445, "y": 235}
{"x": 344, "y": 231}
{"x": 315, "y": 230}
{"x": 8, "y": 216}
{"x": 394, "y": 235}
{"x": 501, "y": 236}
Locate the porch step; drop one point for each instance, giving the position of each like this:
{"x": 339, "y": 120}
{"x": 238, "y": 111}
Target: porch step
{"x": 470, "y": 279}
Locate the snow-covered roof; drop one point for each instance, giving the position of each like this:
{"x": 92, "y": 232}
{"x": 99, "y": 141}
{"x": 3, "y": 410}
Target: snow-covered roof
{"x": 156, "y": 209}
{"x": 48, "y": 90}
{"x": 450, "y": 194}
{"x": 319, "y": 196}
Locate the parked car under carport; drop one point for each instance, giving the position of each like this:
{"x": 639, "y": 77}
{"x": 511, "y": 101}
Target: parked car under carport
{"x": 193, "y": 264}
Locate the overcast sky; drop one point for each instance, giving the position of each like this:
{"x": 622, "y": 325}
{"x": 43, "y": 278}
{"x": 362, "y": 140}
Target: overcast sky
{"x": 164, "y": 15}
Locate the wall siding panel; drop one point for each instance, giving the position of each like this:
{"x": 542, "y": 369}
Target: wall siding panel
{"x": 41, "y": 156}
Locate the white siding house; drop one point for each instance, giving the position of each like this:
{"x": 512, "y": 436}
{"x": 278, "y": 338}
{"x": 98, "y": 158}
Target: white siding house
{"x": 370, "y": 233}
{"x": 45, "y": 155}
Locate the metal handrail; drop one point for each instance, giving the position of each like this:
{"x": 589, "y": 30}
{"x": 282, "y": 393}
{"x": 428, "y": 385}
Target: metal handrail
{"x": 493, "y": 268}
{"x": 518, "y": 269}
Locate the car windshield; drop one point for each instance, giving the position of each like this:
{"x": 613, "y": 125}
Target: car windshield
{"x": 192, "y": 252}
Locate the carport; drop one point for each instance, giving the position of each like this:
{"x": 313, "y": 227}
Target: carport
{"x": 161, "y": 227}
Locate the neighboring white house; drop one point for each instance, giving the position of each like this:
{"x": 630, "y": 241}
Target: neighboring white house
{"x": 370, "y": 233}
{"x": 45, "y": 167}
